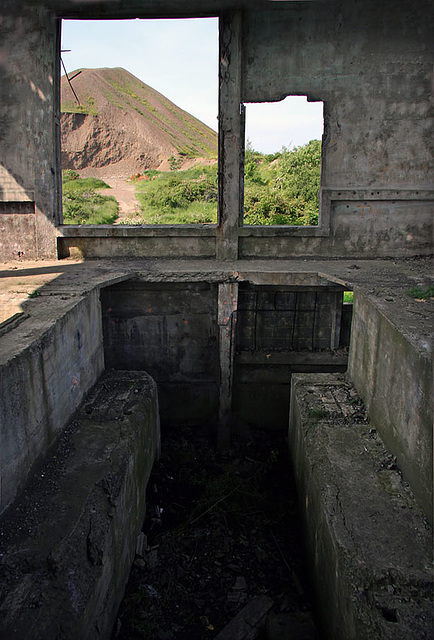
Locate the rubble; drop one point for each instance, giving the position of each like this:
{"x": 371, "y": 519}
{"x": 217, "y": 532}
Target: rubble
{"x": 223, "y": 547}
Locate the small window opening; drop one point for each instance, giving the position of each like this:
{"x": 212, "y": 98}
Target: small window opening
{"x": 282, "y": 162}
{"x": 139, "y": 102}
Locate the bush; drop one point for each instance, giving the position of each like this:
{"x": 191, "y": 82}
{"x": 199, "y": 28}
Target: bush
{"x": 179, "y": 197}
{"x": 283, "y": 188}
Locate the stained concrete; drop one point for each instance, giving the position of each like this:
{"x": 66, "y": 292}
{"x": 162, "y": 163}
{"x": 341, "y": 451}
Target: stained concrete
{"x": 47, "y": 363}
{"x": 67, "y": 545}
{"x": 169, "y": 330}
{"x": 69, "y": 293}
{"x": 369, "y": 63}
{"x": 368, "y": 542}
{"x": 393, "y": 374}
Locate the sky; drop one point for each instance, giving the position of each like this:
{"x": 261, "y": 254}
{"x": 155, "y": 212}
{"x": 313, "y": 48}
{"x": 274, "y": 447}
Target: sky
{"x": 179, "y": 58}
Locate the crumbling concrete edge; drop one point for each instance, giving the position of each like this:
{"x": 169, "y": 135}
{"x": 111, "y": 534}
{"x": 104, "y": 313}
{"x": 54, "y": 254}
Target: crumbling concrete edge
{"x": 68, "y": 543}
{"x": 368, "y": 544}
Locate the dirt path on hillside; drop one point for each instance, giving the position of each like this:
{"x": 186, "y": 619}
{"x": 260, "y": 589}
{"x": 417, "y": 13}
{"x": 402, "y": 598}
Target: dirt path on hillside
{"x": 124, "y": 192}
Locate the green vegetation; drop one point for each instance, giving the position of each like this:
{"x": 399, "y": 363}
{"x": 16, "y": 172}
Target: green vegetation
{"x": 81, "y": 203}
{"x": 421, "y": 293}
{"x": 178, "y": 197}
{"x": 282, "y": 188}
{"x": 348, "y": 297}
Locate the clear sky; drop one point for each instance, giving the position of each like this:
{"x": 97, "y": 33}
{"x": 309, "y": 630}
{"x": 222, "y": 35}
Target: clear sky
{"x": 179, "y": 58}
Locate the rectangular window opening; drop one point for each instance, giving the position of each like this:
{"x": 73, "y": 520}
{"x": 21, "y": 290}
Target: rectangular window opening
{"x": 282, "y": 162}
{"x": 139, "y": 103}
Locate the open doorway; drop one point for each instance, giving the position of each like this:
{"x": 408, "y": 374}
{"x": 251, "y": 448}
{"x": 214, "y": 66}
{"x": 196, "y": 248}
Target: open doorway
{"x": 139, "y": 120}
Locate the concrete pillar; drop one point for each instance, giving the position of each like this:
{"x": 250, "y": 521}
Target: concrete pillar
{"x": 230, "y": 135}
{"x": 227, "y": 307}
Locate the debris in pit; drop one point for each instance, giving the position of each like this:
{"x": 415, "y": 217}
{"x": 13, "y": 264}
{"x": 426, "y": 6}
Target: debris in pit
{"x": 221, "y": 531}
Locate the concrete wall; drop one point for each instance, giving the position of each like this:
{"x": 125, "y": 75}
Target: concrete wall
{"x": 279, "y": 331}
{"x": 367, "y": 541}
{"x": 44, "y": 375}
{"x": 68, "y": 543}
{"x": 170, "y": 331}
{"x": 392, "y": 372}
{"x": 369, "y": 62}
{"x": 28, "y": 128}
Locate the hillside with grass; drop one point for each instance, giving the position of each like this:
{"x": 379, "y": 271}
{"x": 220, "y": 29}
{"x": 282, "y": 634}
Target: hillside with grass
{"x": 123, "y": 126}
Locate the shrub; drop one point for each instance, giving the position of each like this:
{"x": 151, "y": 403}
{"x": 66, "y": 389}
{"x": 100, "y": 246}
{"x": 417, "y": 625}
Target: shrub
{"x": 283, "y": 188}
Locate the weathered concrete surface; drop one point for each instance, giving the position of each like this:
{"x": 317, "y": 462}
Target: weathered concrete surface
{"x": 281, "y": 330}
{"x": 67, "y": 282}
{"x": 363, "y": 60}
{"x": 30, "y": 166}
{"x": 369, "y": 544}
{"x": 392, "y": 371}
{"x": 370, "y": 63}
{"x": 67, "y": 545}
{"x": 169, "y": 330}
{"x": 105, "y": 241}
{"x": 47, "y": 363}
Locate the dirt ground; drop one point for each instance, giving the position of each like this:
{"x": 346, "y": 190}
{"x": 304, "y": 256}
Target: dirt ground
{"x": 125, "y": 194}
{"x": 221, "y": 529}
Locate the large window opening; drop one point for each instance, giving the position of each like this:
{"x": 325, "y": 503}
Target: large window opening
{"x": 139, "y": 102}
{"x": 282, "y": 162}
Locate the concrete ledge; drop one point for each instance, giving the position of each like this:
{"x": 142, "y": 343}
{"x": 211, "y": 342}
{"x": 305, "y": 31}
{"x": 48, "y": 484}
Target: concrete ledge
{"x": 68, "y": 543}
{"x": 391, "y": 368}
{"x": 368, "y": 543}
{"x": 47, "y": 364}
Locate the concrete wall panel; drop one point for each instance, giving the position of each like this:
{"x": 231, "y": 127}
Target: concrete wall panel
{"x": 42, "y": 384}
{"x": 28, "y": 38}
{"x": 371, "y": 64}
{"x": 393, "y": 375}
{"x": 170, "y": 331}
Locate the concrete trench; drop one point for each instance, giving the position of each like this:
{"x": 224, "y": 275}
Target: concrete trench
{"x": 188, "y": 331}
